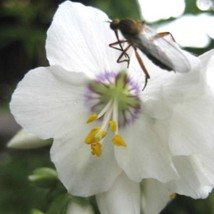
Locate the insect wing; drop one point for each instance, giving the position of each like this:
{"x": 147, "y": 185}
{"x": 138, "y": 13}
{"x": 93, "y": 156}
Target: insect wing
{"x": 162, "y": 50}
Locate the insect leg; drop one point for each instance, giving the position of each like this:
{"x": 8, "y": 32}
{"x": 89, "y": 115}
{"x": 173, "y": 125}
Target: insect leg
{"x": 163, "y": 34}
{"x": 112, "y": 45}
{"x": 119, "y": 60}
{"x": 147, "y": 76}
{"x": 119, "y": 42}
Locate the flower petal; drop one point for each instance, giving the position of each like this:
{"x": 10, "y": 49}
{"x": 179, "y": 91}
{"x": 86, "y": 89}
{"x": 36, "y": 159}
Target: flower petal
{"x": 76, "y": 207}
{"x": 210, "y": 73}
{"x": 206, "y": 57}
{"x": 145, "y": 156}
{"x": 204, "y": 167}
{"x": 123, "y": 197}
{"x": 26, "y": 140}
{"x": 190, "y": 182}
{"x": 155, "y": 196}
{"x": 49, "y": 101}
{"x": 82, "y": 173}
{"x": 78, "y": 40}
{"x": 191, "y": 126}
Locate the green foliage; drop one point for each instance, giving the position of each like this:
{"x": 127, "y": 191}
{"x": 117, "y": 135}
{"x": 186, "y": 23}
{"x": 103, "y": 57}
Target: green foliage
{"x": 35, "y": 211}
{"x": 186, "y": 205}
{"x": 18, "y": 195}
{"x": 119, "y": 9}
{"x": 191, "y": 7}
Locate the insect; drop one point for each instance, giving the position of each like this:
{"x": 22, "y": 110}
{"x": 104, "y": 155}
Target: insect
{"x": 160, "y": 48}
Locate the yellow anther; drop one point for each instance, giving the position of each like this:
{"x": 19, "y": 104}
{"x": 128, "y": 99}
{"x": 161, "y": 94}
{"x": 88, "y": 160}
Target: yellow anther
{"x": 113, "y": 125}
{"x": 100, "y": 135}
{"x": 172, "y": 196}
{"x": 96, "y": 149}
{"x": 118, "y": 141}
{"x": 92, "y": 118}
{"x": 90, "y": 137}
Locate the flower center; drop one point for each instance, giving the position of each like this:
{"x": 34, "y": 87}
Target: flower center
{"x": 114, "y": 99}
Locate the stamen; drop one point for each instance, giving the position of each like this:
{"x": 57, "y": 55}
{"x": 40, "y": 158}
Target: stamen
{"x": 113, "y": 126}
{"x": 92, "y": 118}
{"x": 96, "y": 149}
{"x": 105, "y": 109}
{"x": 118, "y": 141}
{"x": 106, "y": 118}
{"x": 90, "y": 137}
{"x": 114, "y": 101}
{"x": 115, "y": 115}
{"x": 96, "y": 134}
{"x": 100, "y": 135}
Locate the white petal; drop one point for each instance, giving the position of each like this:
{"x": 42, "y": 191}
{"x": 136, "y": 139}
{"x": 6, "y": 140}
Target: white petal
{"x": 210, "y": 73}
{"x": 145, "y": 156}
{"x": 203, "y": 167}
{"x": 159, "y": 99}
{"x": 189, "y": 183}
{"x": 191, "y": 127}
{"x": 123, "y": 197}
{"x": 78, "y": 208}
{"x": 205, "y": 58}
{"x": 26, "y": 140}
{"x": 194, "y": 61}
{"x": 82, "y": 173}
{"x": 49, "y": 101}
{"x": 78, "y": 40}
{"x": 178, "y": 88}
{"x": 155, "y": 196}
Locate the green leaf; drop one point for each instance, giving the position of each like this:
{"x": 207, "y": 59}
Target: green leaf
{"x": 35, "y": 211}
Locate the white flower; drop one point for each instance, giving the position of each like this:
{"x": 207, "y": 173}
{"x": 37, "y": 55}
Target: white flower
{"x": 77, "y": 208}
{"x": 122, "y": 197}
{"x": 109, "y": 137}
{"x": 26, "y": 140}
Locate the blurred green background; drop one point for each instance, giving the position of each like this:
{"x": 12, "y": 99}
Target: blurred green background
{"x": 23, "y": 26}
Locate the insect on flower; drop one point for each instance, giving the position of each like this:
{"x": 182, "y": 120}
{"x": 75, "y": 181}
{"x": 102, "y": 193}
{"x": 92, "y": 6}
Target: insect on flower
{"x": 160, "y": 48}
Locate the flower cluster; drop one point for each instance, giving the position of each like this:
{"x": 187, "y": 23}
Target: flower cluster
{"x": 110, "y": 139}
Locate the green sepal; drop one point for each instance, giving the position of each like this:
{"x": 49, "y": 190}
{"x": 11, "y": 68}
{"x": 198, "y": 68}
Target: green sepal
{"x": 59, "y": 204}
{"x": 44, "y": 177}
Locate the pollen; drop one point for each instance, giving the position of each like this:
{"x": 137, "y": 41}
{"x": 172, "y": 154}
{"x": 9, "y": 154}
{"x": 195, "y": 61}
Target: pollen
{"x": 118, "y": 141}
{"x": 113, "y": 126}
{"x": 92, "y": 118}
{"x": 96, "y": 149}
{"x": 100, "y": 135}
{"x": 90, "y": 137}
{"x": 96, "y": 134}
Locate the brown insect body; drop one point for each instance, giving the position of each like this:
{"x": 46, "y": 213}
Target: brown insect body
{"x": 140, "y": 36}
{"x": 130, "y": 30}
